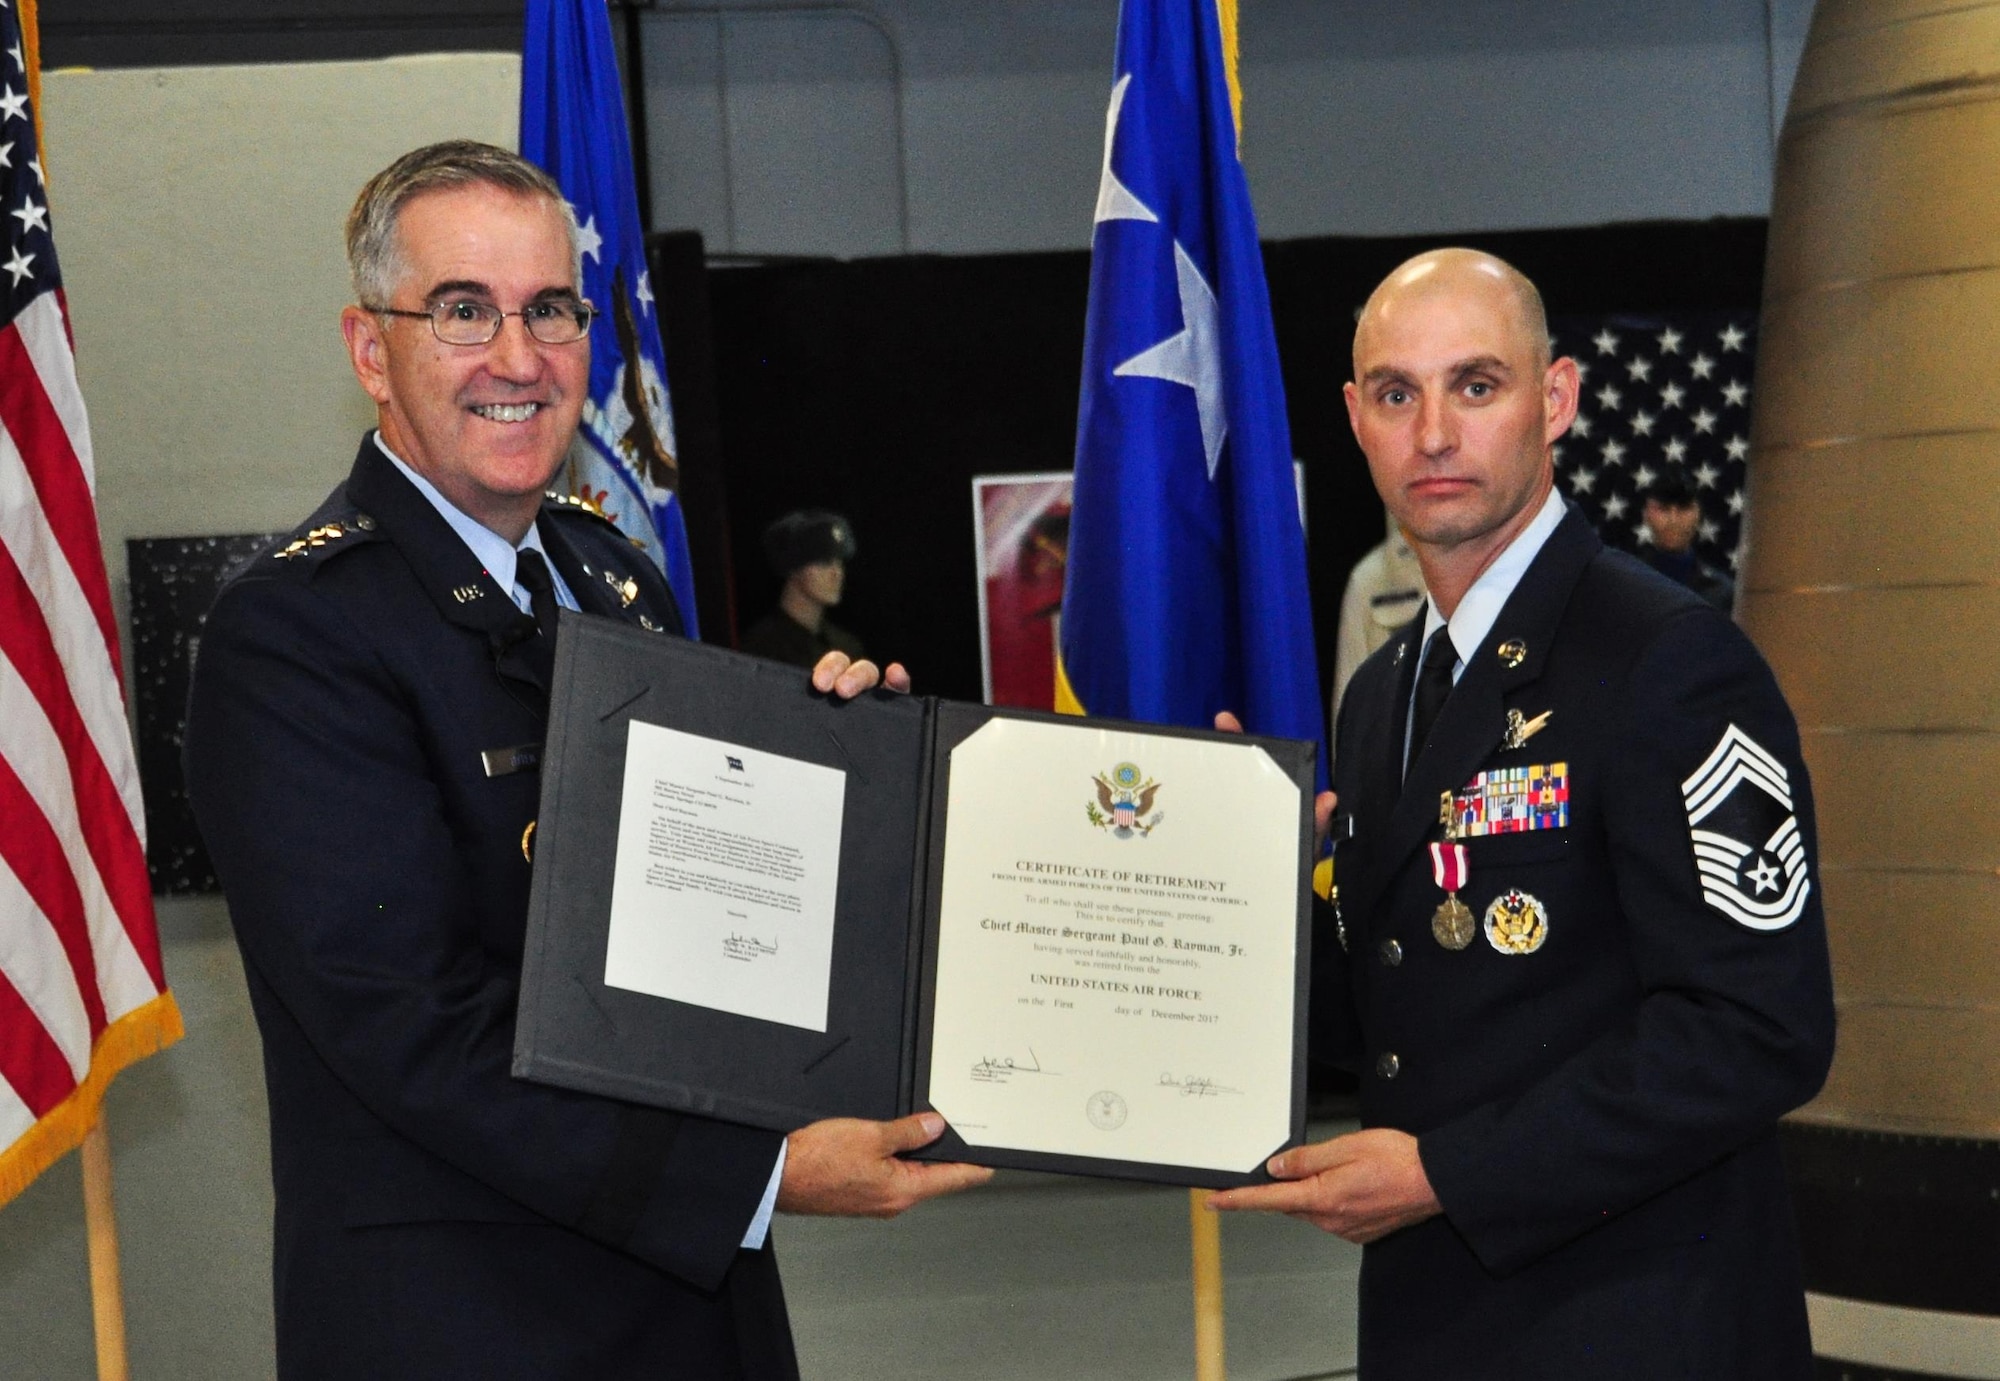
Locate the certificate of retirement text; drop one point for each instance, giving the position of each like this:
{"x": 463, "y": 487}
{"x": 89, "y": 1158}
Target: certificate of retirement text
{"x": 1119, "y": 915}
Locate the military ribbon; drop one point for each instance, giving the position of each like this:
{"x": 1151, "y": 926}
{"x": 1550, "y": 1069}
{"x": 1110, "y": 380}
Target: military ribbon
{"x": 1449, "y": 866}
{"x": 1451, "y": 923}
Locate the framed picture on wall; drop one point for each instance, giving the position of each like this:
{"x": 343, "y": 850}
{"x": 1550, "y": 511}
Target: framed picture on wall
{"x": 1020, "y": 529}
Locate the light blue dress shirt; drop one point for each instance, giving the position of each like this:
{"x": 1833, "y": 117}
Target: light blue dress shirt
{"x": 1475, "y": 615}
{"x": 498, "y": 557}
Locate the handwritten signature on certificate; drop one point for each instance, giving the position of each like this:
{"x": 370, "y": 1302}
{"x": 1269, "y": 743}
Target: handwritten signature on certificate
{"x": 1197, "y": 1086}
{"x": 998, "y": 1069}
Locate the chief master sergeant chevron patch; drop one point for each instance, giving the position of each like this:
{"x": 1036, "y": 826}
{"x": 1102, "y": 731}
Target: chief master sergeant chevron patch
{"x": 1745, "y": 835}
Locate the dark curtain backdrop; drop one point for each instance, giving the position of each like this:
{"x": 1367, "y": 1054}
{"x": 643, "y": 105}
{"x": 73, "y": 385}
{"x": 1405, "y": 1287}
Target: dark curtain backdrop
{"x": 879, "y": 388}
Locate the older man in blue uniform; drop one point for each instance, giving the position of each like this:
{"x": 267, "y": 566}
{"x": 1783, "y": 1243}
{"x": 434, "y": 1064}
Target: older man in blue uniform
{"x": 366, "y": 711}
{"x": 1579, "y": 959}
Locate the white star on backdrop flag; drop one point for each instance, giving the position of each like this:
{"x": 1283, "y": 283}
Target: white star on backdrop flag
{"x": 1683, "y": 398}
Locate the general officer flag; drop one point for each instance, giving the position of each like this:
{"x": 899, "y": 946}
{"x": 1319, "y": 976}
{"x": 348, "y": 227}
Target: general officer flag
{"x": 1186, "y": 584}
{"x": 82, "y": 990}
{"x": 573, "y": 126}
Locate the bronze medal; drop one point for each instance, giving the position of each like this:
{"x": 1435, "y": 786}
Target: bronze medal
{"x": 1451, "y": 924}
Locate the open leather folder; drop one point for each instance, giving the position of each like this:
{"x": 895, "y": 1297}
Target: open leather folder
{"x": 1084, "y": 942}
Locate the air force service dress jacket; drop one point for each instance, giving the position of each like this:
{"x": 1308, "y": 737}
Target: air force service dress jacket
{"x": 1595, "y": 1078}
{"x": 437, "y": 1217}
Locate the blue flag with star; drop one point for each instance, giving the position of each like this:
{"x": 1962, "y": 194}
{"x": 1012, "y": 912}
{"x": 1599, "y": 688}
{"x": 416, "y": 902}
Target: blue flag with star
{"x": 573, "y": 125}
{"x": 1185, "y": 591}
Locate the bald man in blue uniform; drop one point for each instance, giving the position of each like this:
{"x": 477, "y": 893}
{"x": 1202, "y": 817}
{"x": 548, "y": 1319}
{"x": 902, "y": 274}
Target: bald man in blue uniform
{"x": 1578, "y": 959}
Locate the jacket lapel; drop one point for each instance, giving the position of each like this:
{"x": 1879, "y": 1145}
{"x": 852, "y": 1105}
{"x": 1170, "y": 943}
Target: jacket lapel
{"x": 463, "y": 591}
{"x": 1469, "y": 727}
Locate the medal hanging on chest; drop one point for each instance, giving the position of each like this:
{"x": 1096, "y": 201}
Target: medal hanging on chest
{"x": 1451, "y": 923}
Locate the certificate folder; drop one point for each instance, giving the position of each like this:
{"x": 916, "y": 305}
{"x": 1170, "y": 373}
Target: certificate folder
{"x": 885, "y": 1013}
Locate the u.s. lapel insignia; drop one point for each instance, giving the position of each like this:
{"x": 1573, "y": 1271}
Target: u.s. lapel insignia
{"x": 1520, "y": 728}
{"x": 1516, "y": 923}
{"x": 1402, "y": 649}
{"x": 649, "y": 625}
{"x": 465, "y": 594}
{"x": 1513, "y": 652}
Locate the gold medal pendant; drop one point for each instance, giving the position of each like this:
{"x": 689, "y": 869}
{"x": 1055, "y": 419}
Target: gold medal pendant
{"x": 1451, "y": 924}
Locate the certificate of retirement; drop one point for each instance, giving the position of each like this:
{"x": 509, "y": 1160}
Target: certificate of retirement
{"x": 1115, "y": 950}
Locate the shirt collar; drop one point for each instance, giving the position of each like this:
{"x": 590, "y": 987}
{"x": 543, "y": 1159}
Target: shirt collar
{"x": 1475, "y": 615}
{"x": 495, "y": 553}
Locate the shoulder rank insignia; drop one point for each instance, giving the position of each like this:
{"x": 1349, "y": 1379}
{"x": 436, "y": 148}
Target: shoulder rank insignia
{"x": 320, "y": 536}
{"x": 584, "y": 503}
{"x": 1747, "y": 848}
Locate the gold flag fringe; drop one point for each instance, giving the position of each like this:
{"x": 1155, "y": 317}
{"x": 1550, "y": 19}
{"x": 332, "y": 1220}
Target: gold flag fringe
{"x": 1225, "y": 11}
{"x": 140, "y": 1032}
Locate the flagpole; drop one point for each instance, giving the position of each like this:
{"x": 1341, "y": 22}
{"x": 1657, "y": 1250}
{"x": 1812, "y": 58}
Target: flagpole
{"x": 1205, "y": 1227}
{"x": 107, "y": 1296}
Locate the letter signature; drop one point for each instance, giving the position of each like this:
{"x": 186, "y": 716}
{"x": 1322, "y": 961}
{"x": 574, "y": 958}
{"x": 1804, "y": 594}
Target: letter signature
{"x": 747, "y": 948}
{"x": 1196, "y": 1086}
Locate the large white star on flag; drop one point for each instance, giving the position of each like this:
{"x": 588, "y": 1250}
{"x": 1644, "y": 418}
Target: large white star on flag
{"x": 31, "y": 216}
{"x": 1115, "y": 201}
{"x": 589, "y": 243}
{"x": 13, "y": 104}
{"x": 18, "y": 265}
{"x": 1191, "y": 358}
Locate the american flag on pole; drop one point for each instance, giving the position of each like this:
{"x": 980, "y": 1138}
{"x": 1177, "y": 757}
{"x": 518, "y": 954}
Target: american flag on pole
{"x": 82, "y": 993}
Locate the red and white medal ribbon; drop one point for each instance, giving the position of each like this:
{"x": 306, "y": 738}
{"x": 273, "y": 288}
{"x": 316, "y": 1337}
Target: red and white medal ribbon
{"x": 1449, "y": 866}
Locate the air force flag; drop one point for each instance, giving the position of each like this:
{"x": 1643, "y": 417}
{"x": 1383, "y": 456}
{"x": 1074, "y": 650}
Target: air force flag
{"x": 1186, "y": 585}
{"x": 573, "y": 126}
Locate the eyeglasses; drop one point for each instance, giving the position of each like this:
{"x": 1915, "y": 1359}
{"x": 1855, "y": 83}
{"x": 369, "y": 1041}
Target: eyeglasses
{"x": 462, "y": 321}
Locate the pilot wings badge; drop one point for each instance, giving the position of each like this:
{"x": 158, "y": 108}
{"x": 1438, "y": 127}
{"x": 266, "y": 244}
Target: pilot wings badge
{"x": 1747, "y": 847}
{"x": 1124, "y": 798}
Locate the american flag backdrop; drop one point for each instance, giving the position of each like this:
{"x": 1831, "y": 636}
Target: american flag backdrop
{"x": 82, "y": 993}
{"x": 1659, "y": 390}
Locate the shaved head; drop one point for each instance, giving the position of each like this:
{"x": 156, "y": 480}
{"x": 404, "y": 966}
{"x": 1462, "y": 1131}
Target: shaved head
{"x": 1459, "y": 273}
{"x": 1456, "y": 405}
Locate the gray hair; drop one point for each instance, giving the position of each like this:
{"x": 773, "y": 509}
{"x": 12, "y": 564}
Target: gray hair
{"x": 374, "y": 248}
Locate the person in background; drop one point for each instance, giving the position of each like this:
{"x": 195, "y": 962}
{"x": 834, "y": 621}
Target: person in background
{"x": 810, "y": 551}
{"x": 1673, "y": 517}
{"x": 1384, "y": 591}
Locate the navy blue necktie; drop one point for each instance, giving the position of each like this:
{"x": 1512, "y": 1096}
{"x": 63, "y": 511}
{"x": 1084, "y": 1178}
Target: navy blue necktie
{"x": 1433, "y": 689}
